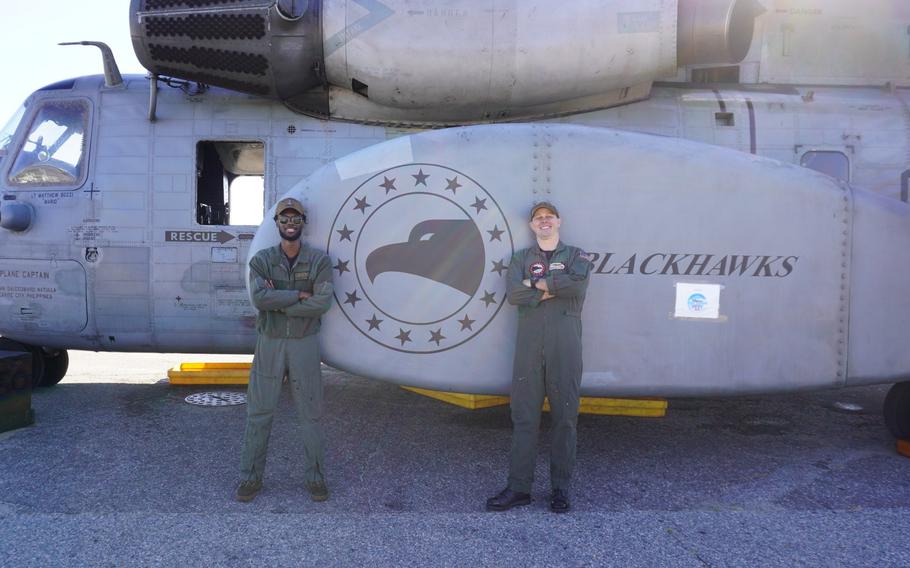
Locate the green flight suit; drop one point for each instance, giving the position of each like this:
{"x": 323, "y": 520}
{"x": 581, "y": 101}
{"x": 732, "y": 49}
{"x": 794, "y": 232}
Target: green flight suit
{"x": 547, "y": 360}
{"x": 287, "y": 345}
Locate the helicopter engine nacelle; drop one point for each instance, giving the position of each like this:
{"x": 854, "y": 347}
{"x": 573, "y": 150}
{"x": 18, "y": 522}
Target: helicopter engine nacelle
{"x": 462, "y": 59}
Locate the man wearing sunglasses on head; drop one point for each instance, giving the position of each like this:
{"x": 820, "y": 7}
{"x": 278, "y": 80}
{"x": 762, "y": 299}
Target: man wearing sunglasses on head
{"x": 291, "y": 286}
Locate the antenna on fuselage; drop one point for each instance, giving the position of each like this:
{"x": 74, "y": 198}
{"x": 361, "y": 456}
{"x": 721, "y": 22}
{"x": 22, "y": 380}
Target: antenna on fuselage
{"x": 112, "y": 77}
{"x": 153, "y": 96}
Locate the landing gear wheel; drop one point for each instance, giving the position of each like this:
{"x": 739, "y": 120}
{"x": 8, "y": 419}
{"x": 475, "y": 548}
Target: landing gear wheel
{"x": 897, "y": 410}
{"x": 55, "y": 365}
{"x": 38, "y": 365}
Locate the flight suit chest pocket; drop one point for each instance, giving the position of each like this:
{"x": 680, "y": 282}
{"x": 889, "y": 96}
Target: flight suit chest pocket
{"x": 300, "y": 277}
{"x": 556, "y": 266}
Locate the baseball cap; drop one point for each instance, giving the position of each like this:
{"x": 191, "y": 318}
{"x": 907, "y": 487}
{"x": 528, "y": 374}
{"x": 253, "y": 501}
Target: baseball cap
{"x": 290, "y": 203}
{"x": 543, "y": 205}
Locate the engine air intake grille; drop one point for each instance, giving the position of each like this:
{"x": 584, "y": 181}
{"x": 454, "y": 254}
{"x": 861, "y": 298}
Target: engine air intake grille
{"x": 249, "y": 46}
{"x": 218, "y": 59}
{"x": 207, "y": 26}
{"x": 165, "y": 4}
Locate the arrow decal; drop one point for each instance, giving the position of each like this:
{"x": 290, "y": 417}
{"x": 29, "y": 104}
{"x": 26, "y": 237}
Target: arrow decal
{"x": 219, "y": 237}
{"x": 377, "y": 13}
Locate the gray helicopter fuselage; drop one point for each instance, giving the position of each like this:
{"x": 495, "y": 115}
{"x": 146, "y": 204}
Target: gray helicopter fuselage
{"x": 737, "y": 170}
{"x": 121, "y": 259}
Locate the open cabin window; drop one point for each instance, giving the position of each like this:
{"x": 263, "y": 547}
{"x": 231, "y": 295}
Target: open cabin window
{"x": 230, "y": 182}
{"x": 53, "y": 153}
{"x": 828, "y": 162}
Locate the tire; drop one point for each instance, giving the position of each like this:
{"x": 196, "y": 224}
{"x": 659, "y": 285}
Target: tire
{"x": 897, "y": 410}
{"x": 37, "y": 366}
{"x": 55, "y": 365}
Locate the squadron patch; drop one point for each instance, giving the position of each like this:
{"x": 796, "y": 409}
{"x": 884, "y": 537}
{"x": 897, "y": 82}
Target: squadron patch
{"x": 421, "y": 253}
{"x": 537, "y": 270}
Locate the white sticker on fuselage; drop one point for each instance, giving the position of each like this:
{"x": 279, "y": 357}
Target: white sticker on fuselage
{"x": 701, "y": 301}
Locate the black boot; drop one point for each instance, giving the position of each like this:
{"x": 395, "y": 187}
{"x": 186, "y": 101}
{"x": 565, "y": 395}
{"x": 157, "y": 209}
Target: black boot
{"x": 507, "y": 499}
{"x": 559, "y": 501}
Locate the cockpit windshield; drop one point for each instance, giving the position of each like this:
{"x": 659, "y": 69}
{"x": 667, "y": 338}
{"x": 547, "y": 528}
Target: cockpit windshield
{"x": 9, "y": 131}
{"x": 54, "y": 150}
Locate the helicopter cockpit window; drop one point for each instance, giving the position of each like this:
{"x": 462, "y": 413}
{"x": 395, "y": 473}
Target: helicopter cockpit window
{"x": 834, "y": 164}
{"x": 9, "y": 132}
{"x": 54, "y": 150}
{"x": 230, "y": 182}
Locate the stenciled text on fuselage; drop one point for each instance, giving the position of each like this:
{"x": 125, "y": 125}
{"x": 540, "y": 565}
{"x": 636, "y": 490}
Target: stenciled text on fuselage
{"x": 692, "y": 264}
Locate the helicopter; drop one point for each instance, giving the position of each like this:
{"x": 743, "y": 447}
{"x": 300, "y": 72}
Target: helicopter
{"x": 737, "y": 171}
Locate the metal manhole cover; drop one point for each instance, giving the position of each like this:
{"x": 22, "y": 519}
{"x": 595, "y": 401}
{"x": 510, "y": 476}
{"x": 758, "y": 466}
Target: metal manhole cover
{"x": 220, "y": 398}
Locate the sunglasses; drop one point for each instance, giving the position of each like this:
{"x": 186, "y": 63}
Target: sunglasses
{"x": 295, "y": 220}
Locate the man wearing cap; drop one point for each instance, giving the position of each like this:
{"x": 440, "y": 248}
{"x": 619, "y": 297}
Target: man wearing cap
{"x": 291, "y": 286}
{"x": 548, "y": 283}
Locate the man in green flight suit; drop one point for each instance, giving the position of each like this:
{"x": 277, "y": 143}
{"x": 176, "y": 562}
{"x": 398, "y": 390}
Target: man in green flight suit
{"x": 548, "y": 283}
{"x": 291, "y": 286}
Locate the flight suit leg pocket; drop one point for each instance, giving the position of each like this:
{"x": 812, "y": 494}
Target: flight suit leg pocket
{"x": 306, "y": 378}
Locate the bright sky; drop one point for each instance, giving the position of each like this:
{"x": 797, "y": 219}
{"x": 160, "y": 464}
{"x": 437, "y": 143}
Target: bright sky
{"x": 30, "y": 32}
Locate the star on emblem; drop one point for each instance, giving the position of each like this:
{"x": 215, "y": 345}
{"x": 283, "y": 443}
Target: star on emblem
{"x": 361, "y": 205}
{"x": 437, "y": 336}
{"x": 466, "y": 323}
{"x": 403, "y": 336}
{"x": 499, "y": 267}
{"x": 388, "y": 185}
{"x": 374, "y": 323}
{"x": 345, "y": 234}
{"x": 342, "y": 267}
{"x": 495, "y": 234}
{"x": 421, "y": 178}
{"x": 479, "y": 204}
{"x": 453, "y": 184}
{"x": 352, "y": 298}
{"x": 488, "y": 298}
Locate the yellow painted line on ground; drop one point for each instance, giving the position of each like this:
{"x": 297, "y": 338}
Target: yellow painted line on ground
{"x": 469, "y": 401}
{"x": 646, "y": 407}
{"x": 210, "y": 366}
{"x": 210, "y": 374}
{"x": 903, "y": 447}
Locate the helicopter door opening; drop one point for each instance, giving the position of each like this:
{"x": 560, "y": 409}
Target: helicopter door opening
{"x": 230, "y": 182}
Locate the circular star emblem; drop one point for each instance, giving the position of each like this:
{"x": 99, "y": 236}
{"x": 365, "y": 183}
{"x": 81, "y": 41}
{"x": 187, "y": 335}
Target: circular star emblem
{"x": 421, "y": 256}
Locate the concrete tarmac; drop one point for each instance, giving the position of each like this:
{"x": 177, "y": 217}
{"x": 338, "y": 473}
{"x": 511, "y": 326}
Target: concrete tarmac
{"x": 119, "y": 471}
